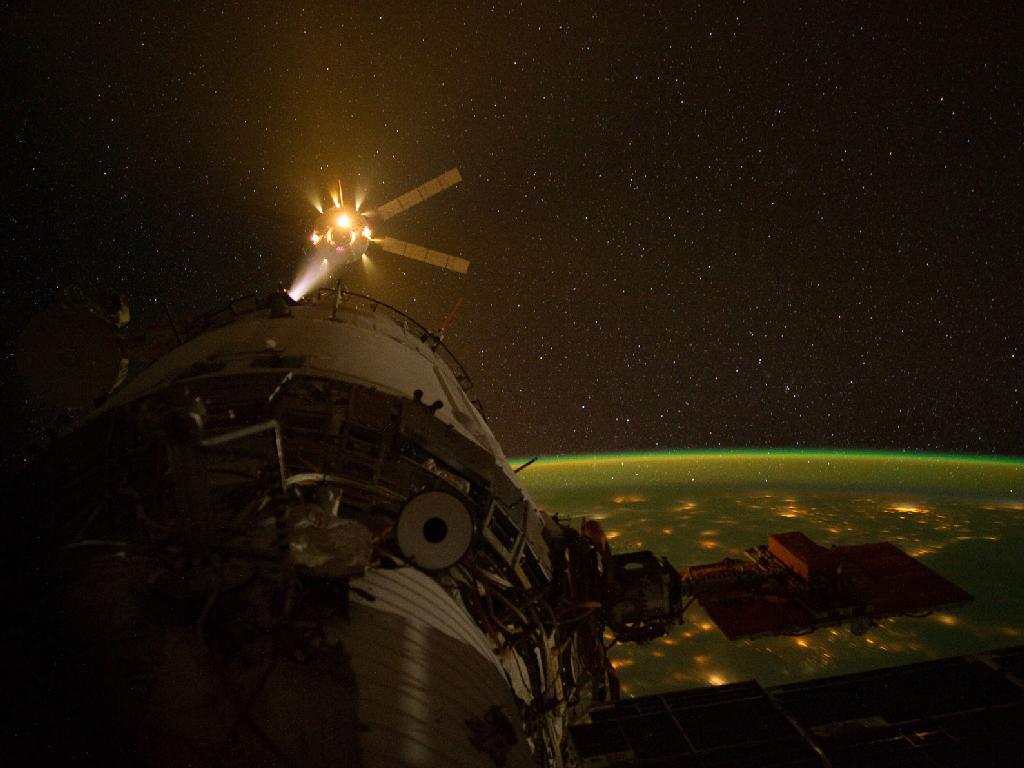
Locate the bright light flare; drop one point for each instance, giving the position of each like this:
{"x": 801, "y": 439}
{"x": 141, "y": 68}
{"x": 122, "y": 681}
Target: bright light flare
{"x": 303, "y": 283}
{"x": 366, "y": 232}
{"x": 319, "y": 264}
{"x": 344, "y": 221}
{"x": 314, "y": 238}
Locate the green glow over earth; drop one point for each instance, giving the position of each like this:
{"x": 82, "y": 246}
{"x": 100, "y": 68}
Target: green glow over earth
{"x": 961, "y": 515}
{"x": 861, "y": 469}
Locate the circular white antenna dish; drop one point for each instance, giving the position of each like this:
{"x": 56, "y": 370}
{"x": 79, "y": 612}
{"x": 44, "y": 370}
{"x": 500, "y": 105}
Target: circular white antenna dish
{"x": 434, "y": 530}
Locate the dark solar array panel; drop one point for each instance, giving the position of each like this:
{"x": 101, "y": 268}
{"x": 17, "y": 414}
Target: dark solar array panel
{"x": 1010, "y": 660}
{"x": 954, "y": 712}
{"x": 962, "y": 711}
{"x": 729, "y": 725}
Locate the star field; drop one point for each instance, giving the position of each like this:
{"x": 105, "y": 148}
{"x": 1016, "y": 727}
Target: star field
{"x": 701, "y": 227}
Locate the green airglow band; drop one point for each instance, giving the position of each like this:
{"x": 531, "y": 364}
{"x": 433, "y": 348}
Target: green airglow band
{"x": 1001, "y": 476}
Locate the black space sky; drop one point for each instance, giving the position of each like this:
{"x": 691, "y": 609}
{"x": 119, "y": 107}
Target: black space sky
{"x": 690, "y": 226}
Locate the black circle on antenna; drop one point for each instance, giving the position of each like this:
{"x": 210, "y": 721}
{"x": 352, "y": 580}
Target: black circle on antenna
{"x": 435, "y": 530}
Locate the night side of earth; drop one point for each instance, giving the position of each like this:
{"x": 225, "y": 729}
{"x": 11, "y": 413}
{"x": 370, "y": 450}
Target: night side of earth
{"x": 961, "y": 516}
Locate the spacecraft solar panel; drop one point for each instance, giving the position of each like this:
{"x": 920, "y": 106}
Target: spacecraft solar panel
{"x": 960, "y": 711}
{"x": 732, "y": 725}
{"x": 883, "y": 581}
{"x": 416, "y": 196}
{"x": 426, "y": 255}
